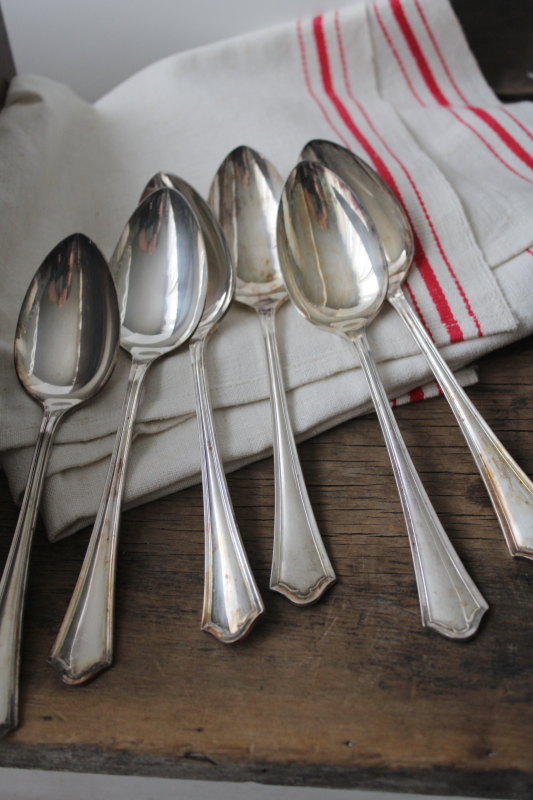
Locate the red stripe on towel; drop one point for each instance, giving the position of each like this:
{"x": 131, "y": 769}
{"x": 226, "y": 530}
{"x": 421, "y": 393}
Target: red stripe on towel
{"x": 439, "y": 52}
{"x": 488, "y": 146}
{"x": 430, "y": 279}
{"x": 425, "y": 268}
{"x": 395, "y": 53}
{"x": 416, "y": 394}
{"x": 305, "y": 70}
{"x": 428, "y": 275}
{"x": 431, "y": 83}
{"x": 517, "y": 122}
{"x": 489, "y": 119}
{"x": 504, "y": 135}
{"x": 416, "y": 51}
{"x": 325, "y": 71}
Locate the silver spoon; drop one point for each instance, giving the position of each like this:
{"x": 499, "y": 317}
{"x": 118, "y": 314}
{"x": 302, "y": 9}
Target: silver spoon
{"x": 244, "y": 196}
{"x": 508, "y": 486}
{"x": 232, "y": 603}
{"x": 159, "y": 267}
{"x": 336, "y": 274}
{"x": 65, "y": 350}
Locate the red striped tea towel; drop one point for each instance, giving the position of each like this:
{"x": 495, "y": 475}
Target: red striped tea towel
{"x": 390, "y": 80}
{"x": 483, "y": 148}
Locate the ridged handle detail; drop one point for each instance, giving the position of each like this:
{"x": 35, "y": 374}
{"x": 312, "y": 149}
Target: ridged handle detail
{"x": 232, "y": 603}
{"x": 84, "y": 644}
{"x": 509, "y": 488}
{"x": 450, "y": 602}
{"x": 301, "y": 569}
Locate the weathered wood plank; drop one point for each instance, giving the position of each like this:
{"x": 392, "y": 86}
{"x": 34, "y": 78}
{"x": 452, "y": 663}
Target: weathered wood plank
{"x": 350, "y": 692}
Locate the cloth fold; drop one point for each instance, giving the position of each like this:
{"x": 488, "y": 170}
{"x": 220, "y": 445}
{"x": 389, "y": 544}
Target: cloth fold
{"x": 393, "y": 80}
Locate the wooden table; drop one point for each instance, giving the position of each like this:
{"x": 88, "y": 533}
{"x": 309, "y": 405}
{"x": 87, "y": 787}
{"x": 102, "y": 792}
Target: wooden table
{"x": 352, "y": 692}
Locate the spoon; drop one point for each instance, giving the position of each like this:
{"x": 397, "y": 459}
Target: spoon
{"x": 65, "y": 350}
{"x": 509, "y": 488}
{"x": 335, "y": 271}
{"x": 159, "y": 268}
{"x": 244, "y": 196}
{"x": 232, "y": 603}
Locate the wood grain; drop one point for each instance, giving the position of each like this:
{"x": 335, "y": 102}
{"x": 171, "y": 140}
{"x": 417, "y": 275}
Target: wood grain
{"x": 350, "y": 692}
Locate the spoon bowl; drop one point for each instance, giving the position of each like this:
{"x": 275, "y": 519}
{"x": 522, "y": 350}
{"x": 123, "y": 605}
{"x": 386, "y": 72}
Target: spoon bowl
{"x": 65, "y": 350}
{"x": 67, "y": 332}
{"x": 244, "y": 196}
{"x": 322, "y": 228}
{"x": 159, "y": 267}
{"x": 386, "y": 213}
{"x": 333, "y": 264}
{"x": 221, "y": 275}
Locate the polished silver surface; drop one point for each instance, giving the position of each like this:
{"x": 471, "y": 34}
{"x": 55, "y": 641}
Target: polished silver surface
{"x": 65, "y": 350}
{"x": 244, "y": 196}
{"x": 508, "y": 486}
{"x": 221, "y": 276}
{"x": 336, "y": 273}
{"x": 159, "y": 267}
{"x": 232, "y": 603}
{"x": 373, "y": 193}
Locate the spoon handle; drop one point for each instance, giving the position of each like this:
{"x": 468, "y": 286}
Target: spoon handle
{"x": 14, "y": 579}
{"x": 301, "y": 569}
{"x": 84, "y": 644}
{"x": 232, "y": 603}
{"x": 450, "y": 602}
{"x": 508, "y": 486}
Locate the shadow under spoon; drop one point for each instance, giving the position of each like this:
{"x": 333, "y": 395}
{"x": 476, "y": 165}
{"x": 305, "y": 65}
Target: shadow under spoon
{"x": 244, "y": 196}
{"x": 336, "y": 274}
{"x": 65, "y": 350}
{"x": 509, "y": 488}
{"x": 232, "y": 603}
{"x": 159, "y": 267}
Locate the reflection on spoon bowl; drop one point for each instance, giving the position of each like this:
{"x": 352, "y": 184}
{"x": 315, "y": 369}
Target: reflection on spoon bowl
{"x": 332, "y": 260}
{"x": 159, "y": 267}
{"x": 386, "y": 213}
{"x": 221, "y": 275}
{"x": 67, "y": 335}
{"x": 244, "y": 196}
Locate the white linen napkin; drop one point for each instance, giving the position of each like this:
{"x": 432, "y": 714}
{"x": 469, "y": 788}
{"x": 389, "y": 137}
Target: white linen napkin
{"x": 374, "y": 77}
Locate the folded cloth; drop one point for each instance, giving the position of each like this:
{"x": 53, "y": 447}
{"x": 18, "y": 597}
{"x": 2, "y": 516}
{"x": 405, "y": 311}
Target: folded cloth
{"x": 393, "y": 80}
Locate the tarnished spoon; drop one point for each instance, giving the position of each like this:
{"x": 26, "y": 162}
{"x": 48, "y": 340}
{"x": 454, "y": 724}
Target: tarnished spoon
{"x": 232, "y": 603}
{"x": 335, "y": 271}
{"x": 508, "y": 486}
{"x": 65, "y": 350}
{"x": 159, "y": 267}
{"x": 244, "y": 196}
